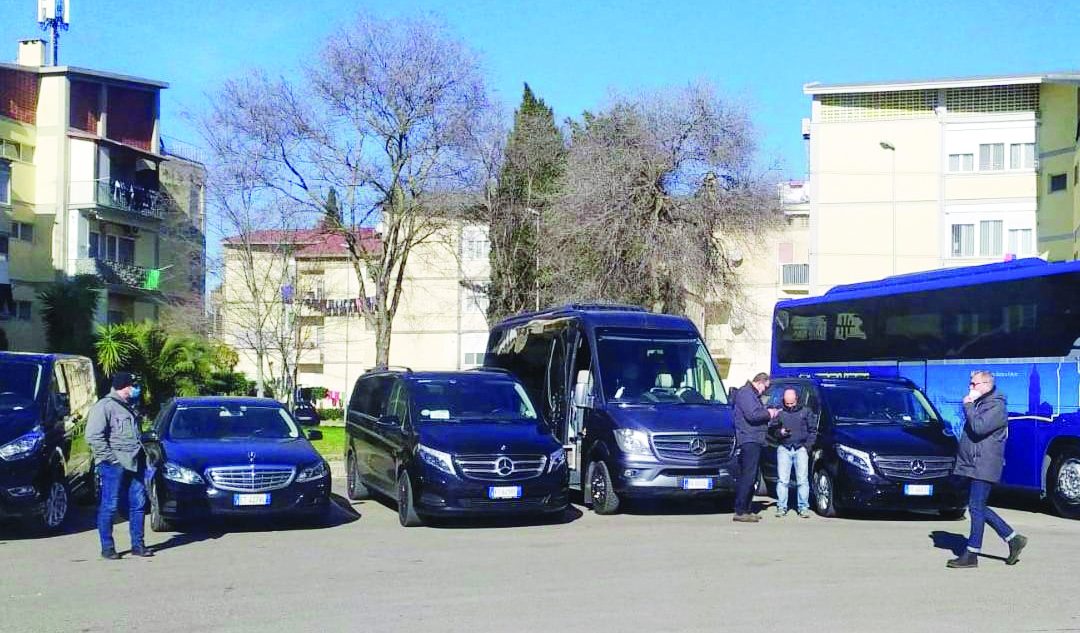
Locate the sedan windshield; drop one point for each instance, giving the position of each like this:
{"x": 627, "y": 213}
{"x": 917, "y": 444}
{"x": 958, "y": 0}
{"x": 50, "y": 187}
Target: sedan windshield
{"x": 877, "y": 405}
{"x": 451, "y": 399}
{"x": 657, "y": 368}
{"x": 230, "y": 422}
{"x": 19, "y": 384}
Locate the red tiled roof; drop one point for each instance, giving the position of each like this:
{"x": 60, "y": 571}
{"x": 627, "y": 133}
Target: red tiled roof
{"x": 316, "y": 242}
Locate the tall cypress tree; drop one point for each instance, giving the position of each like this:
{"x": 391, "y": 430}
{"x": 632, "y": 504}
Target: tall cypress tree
{"x": 535, "y": 152}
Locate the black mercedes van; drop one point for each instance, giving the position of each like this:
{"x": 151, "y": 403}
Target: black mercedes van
{"x": 44, "y": 457}
{"x": 633, "y": 396}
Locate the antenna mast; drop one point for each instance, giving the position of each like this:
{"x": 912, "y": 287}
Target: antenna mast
{"x": 54, "y": 16}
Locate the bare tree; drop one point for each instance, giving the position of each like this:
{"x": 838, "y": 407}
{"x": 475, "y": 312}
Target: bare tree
{"x": 656, "y": 195}
{"x": 383, "y": 118}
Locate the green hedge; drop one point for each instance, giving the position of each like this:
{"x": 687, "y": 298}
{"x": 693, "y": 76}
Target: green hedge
{"x": 331, "y": 414}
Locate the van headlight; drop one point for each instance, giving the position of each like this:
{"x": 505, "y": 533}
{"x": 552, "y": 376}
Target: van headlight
{"x": 556, "y": 460}
{"x": 24, "y": 445}
{"x": 311, "y": 473}
{"x": 175, "y": 472}
{"x": 440, "y": 460}
{"x": 634, "y": 443}
{"x": 856, "y": 458}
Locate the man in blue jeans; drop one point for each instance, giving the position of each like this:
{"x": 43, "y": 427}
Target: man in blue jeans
{"x": 980, "y": 458}
{"x": 796, "y": 434}
{"x": 113, "y": 433}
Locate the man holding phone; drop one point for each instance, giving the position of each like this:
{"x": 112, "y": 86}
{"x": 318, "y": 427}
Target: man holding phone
{"x": 751, "y": 424}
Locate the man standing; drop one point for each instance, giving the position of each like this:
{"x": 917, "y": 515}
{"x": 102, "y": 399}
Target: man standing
{"x": 751, "y": 424}
{"x": 980, "y": 458}
{"x": 114, "y": 437}
{"x": 797, "y": 435}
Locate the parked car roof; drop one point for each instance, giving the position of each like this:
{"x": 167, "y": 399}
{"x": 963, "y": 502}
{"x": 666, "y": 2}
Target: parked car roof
{"x": 35, "y": 356}
{"x": 478, "y": 373}
{"x": 217, "y": 401}
{"x": 604, "y": 315}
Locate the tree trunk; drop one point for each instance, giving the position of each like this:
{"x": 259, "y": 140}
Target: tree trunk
{"x": 260, "y": 387}
{"x": 382, "y": 340}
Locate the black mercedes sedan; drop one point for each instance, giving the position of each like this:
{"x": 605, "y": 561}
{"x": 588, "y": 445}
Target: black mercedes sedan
{"x": 224, "y": 456}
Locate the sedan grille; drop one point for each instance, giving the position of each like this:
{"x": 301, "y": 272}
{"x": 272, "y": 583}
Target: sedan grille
{"x": 693, "y": 447}
{"x": 914, "y": 467}
{"x": 251, "y": 478}
{"x": 501, "y": 467}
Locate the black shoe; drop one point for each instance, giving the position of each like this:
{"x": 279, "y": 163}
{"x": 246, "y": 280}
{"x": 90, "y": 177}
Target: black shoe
{"x": 109, "y": 554}
{"x": 1016, "y": 545}
{"x": 746, "y": 518}
{"x": 966, "y": 560}
{"x": 143, "y": 551}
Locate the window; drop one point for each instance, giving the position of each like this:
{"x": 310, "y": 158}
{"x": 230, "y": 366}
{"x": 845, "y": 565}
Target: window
{"x": 961, "y": 162}
{"x": 22, "y": 231}
{"x": 1020, "y": 241}
{"x": 116, "y": 317}
{"x": 990, "y": 238}
{"x": 991, "y": 157}
{"x": 93, "y": 248}
{"x": 1022, "y": 156}
{"x": 473, "y": 359}
{"x": 474, "y": 243}
{"x": 963, "y": 240}
{"x": 14, "y": 151}
{"x": 117, "y": 249}
{"x": 1058, "y": 182}
{"x": 5, "y": 182}
{"x": 474, "y": 302}
{"x": 22, "y": 310}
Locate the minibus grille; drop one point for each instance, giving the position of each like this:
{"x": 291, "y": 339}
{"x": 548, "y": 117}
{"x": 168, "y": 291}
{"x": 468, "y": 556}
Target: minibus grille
{"x": 250, "y": 478}
{"x": 501, "y": 467}
{"x": 693, "y": 447}
{"x": 914, "y": 466}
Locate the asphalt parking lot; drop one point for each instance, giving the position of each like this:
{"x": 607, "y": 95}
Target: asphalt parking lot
{"x": 666, "y": 568}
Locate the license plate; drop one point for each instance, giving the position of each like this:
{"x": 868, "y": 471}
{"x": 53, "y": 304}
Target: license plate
{"x": 251, "y": 500}
{"x": 504, "y": 492}
{"x": 918, "y": 490}
{"x": 697, "y": 483}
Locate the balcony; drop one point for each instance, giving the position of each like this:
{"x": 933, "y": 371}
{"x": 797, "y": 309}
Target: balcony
{"x": 129, "y": 198}
{"x": 795, "y": 277}
{"x": 115, "y": 274}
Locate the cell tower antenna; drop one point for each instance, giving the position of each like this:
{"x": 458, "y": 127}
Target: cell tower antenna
{"x": 54, "y": 16}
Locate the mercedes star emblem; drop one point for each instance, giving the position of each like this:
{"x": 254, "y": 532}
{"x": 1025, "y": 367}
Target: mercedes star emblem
{"x": 504, "y": 466}
{"x": 918, "y": 467}
{"x": 251, "y": 457}
{"x": 698, "y": 446}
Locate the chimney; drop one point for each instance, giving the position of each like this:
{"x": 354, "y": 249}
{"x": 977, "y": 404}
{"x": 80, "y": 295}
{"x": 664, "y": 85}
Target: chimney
{"x": 32, "y": 53}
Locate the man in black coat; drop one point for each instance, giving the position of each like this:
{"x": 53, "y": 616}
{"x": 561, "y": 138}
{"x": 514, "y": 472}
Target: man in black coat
{"x": 751, "y": 425}
{"x": 980, "y": 458}
{"x": 796, "y": 433}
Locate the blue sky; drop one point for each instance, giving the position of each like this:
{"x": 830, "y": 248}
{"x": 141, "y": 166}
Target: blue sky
{"x": 575, "y": 53}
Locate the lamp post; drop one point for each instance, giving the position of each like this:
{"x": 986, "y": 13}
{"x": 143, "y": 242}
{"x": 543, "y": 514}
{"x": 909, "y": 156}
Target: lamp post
{"x": 889, "y": 147}
{"x": 536, "y": 248}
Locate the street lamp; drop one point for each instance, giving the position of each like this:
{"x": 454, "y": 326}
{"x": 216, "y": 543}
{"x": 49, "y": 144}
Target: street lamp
{"x": 536, "y": 248}
{"x": 889, "y": 147}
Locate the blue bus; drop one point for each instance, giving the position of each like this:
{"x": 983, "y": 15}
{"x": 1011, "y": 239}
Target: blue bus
{"x": 1019, "y": 319}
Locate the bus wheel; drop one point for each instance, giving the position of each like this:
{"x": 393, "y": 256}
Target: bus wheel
{"x": 601, "y": 491}
{"x": 1064, "y": 483}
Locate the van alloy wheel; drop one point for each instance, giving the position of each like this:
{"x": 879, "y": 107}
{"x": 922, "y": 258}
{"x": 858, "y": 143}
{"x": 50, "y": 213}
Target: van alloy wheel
{"x": 1068, "y": 480}
{"x": 598, "y": 487}
{"x": 56, "y": 505}
{"x": 824, "y": 493}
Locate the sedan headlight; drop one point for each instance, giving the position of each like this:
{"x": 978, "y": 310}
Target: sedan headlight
{"x": 556, "y": 460}
{"x": 176, "y": 472}
{"x": 311, "y": 473}
{"x": 634, "y": 442}
{"x": 24, "y": 445}
{"x": 856, "y": 458}
{"x": 440, "y": 460}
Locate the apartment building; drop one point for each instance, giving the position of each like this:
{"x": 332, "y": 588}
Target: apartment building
{"x": 739, "y": 336}
{"x": 295, "y": 294}
{"x": 86, "y": 187}
{"x": 912, "y": 176}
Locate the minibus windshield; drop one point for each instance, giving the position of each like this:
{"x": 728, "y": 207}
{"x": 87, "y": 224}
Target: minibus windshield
{"x": 657, "y": 367}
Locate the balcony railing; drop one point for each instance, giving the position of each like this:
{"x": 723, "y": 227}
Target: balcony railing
{"x": 794, "y": 274}
{"x": 123, "y": 196}
{"x": 113, "y": 273}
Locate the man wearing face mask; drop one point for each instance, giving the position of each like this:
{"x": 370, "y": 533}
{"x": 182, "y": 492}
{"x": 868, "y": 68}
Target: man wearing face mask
{"x": 113, "y": 432}
{"x": 980, "y": 458}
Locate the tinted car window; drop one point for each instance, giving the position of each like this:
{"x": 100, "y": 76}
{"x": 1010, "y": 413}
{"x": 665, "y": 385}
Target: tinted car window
{"x": 449, "y": 399}
{"x": 19, "y": 383}
{"x": 650, "y": 369}
{"x": 877, "y": 404}
{"x": 208, "y": 423}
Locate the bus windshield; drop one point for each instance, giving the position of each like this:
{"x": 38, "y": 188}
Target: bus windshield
{"x": 657, "y": 368}
{"x": 863, "y": 404}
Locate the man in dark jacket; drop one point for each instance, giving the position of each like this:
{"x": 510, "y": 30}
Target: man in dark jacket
{"x": 980, "y": 458}
{"x": 113, "y": 432}
{"x": 751, "y": 426}
{"x": 796, "y": 433}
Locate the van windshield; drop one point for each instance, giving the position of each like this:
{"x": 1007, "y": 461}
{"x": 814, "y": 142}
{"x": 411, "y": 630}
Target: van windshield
{"x": 864, "y": 404}
{"x": 657, "y": 368}
{"x": 19, "y": 384}
{"x": 471, "y": 399}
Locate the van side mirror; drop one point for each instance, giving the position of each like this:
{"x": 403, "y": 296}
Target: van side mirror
{"x": 731, "y": 394}
{"x": 314, "y": 435}
{"x": 583, "y": 395}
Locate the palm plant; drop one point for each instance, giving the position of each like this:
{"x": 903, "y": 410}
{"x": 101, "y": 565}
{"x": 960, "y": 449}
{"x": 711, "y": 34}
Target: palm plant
{"x": 68, "y": 307}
